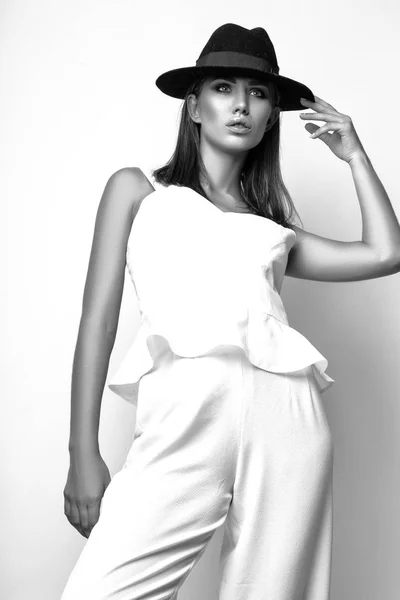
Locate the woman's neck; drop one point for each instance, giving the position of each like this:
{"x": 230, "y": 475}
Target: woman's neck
{"x": 225, "y": 197}
{"x": 226, "y": 201}
{"x": 222, "y": 173}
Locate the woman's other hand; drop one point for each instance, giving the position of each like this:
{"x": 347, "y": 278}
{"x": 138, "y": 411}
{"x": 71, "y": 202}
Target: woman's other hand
{"x": 344, "y": 141}
{"x": 88, "y": 478}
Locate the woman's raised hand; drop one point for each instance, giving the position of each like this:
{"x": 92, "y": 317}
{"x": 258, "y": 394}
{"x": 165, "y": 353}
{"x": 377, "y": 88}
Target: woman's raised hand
{"x": 88, "y": 478}
{"x": 344, "y": 142}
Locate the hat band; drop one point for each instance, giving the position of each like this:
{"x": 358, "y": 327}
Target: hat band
{"x": 236, "y": 59}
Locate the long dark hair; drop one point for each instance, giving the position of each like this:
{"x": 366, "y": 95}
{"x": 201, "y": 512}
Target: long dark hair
{"x": 261, "y": 179}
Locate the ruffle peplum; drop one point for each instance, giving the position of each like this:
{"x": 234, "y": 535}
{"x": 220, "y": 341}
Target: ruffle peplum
{"x": 198, "y": 294}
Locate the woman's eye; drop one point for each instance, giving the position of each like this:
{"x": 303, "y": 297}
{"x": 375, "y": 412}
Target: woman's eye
{"x": 225, "y": 85}
{"x": 221, "y": 85}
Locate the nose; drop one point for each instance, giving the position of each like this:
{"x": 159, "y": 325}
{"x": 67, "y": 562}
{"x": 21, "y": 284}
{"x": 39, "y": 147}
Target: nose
{"x": 241, "y": 100}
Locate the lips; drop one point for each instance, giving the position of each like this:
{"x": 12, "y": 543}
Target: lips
{"x": 239, "y": 121}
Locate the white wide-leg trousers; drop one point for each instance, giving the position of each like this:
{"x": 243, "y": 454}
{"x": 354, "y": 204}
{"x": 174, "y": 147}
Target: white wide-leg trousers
{"x": 217, "y": 441}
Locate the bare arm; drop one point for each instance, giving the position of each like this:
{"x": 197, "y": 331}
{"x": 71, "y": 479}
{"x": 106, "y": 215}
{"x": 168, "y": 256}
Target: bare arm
{"x": 101, "y": 303}
{"x": 377, "y": 254}
{"x": 323, "y": 259}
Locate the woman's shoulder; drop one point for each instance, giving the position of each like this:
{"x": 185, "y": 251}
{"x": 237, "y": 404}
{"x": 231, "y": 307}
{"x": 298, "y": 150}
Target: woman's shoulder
{"x": 134, "y": 184}
{"x": 137, "y": 176}
{"x": 140, "y": 178}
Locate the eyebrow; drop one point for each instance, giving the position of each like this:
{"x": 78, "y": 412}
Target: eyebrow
{"x": 251, "y": 81}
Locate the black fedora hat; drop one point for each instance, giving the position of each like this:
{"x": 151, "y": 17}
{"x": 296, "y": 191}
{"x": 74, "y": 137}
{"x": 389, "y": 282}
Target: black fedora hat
{"x": 234, "y": 48}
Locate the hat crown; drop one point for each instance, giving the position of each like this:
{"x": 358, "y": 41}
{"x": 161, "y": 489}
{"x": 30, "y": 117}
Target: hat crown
{"x": 235, "y": 38}
{"x": 230, "y": 49}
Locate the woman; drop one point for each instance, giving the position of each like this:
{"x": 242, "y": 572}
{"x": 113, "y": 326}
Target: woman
{"x": 230, "y": 427}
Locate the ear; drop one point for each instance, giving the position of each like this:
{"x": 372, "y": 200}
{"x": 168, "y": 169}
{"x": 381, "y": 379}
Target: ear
{"x": 193, "y": 108}
{"x": 274, "y": 116}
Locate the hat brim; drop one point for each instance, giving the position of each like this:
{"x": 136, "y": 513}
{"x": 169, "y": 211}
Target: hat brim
{"x": 176, "y": 82}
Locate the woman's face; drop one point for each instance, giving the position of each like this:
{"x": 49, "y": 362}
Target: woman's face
{"x": 222, "y": 98}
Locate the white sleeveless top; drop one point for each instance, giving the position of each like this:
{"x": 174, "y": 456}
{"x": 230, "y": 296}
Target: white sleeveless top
{"x": 205, "y": 278}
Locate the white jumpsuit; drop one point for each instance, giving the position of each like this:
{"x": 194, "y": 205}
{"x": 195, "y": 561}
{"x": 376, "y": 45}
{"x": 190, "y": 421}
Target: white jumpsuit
{"x": 230, "y": 425}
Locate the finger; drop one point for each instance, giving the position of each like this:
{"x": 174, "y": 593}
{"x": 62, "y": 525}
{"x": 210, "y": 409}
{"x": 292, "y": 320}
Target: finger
{"x": 73, "y": 513}
{"x": 73, "y": 517}
{"x": 81, "y": 531}
{"x": 324, "y": 103}
{"x": 317, "y": 116}
{"x": 93, "y": 514}
{"x": 84, "y": 520}
{"x": 83, "y": 516}
{"x": 320, "y": 104}
{"x": 67, "y": 506}
{"x": 308, "y": 103}
{"x": 325, "y": 128}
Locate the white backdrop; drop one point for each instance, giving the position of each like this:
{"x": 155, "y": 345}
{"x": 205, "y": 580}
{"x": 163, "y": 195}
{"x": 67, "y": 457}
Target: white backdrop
{"x": 78, "y": 102}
